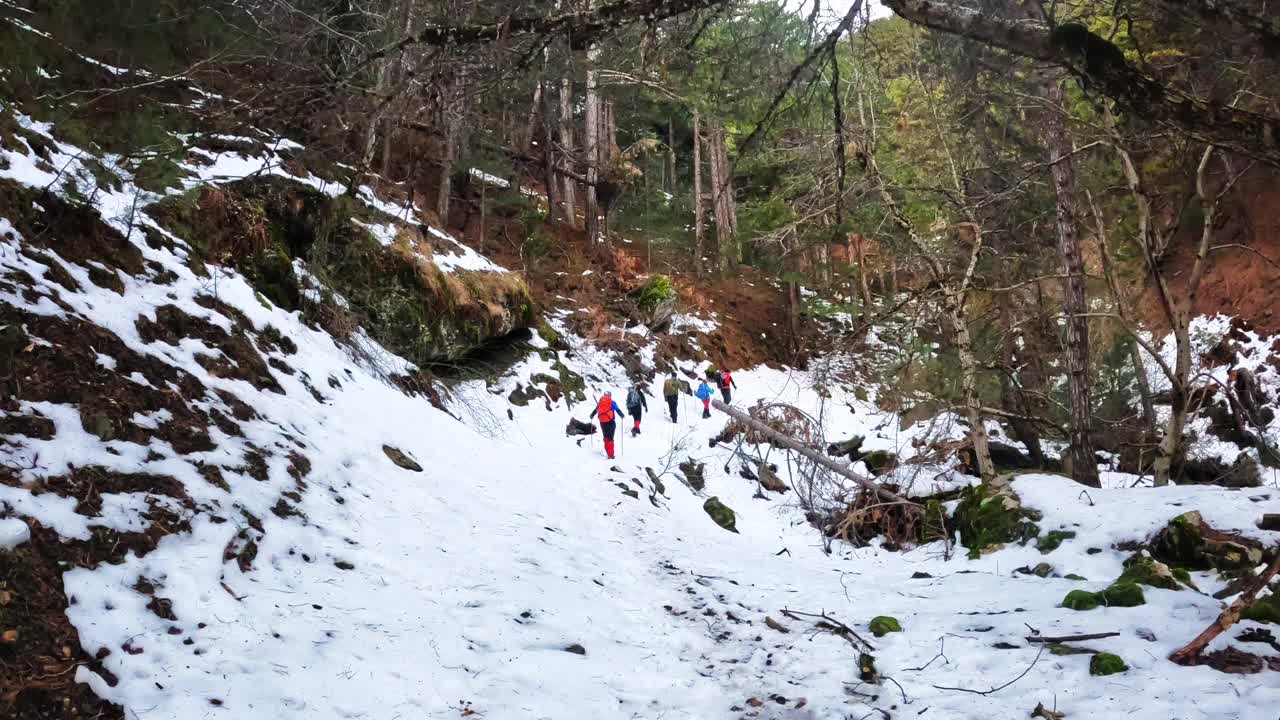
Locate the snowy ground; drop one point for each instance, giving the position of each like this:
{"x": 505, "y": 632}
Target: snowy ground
{"x": 513, "y": 578}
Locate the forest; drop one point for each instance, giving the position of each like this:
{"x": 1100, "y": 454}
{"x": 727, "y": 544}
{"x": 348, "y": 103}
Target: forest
{"x": 991, "y": 273}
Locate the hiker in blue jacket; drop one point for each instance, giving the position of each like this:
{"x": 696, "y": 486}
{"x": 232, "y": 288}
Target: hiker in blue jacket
{"x": 703, "y": 393}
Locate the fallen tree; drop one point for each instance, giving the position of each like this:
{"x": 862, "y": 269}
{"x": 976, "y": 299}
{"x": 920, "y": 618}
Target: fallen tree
{"x": 809, "y": 453}
{"x": 1189, "y": 654}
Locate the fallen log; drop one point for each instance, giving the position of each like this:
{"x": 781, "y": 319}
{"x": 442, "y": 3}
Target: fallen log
{"x": 809, "y": 453}
{"x": 1190, "y": 653}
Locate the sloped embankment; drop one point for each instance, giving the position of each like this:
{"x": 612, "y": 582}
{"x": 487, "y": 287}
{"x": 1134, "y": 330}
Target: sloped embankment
{"x": 361, "y": 268}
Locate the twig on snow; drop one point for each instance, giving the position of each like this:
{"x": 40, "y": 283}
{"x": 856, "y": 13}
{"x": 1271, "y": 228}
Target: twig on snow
{"x": 830, "y": 624}
{"x": 996, "y": 689}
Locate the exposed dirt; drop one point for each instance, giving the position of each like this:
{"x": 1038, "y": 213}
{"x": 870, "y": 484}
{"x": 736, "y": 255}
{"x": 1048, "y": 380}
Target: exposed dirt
{"x": 1240, "y": 281}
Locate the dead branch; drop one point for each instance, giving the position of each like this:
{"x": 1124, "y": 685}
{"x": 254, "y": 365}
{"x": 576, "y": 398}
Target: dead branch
{"x": 1189, "y": 654}
{"x": 1069, "y": 638}
{"x": 830, "y": 624}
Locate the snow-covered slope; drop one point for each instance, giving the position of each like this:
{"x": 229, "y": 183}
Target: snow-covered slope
{"x": 512, "y": 575}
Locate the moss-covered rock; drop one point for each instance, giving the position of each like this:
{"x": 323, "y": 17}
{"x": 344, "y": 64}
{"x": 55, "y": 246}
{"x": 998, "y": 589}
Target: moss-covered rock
{"x": 1122, "y": 594}
{"x": 1050, "y": 541}
{"x": 988, "y": 519}
{"x": 1264, "y": 610}
{"x": 879, "y": 462}
{"x": 1074, "y": 576}
{"x": 1188, "y": 542}
{"x": 1081, "y": 600}
{"x": 1119, "y": 594}
{"x": 694, "y": 474}
{"x": 882, "y": 625}
{"x": 1143, "y": 569}
{"x": 1106, "y": 664}
{"x": 721, "y": 514}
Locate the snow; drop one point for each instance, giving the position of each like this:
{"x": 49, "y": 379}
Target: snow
{"x": 488, "y": 179}
{"x": 13, "y": 532}
{"x": 455, "y": 590}
{"x": 456, "y": 256}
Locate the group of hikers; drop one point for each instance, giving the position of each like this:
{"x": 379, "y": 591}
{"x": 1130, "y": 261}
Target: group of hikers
{"x": 607, "y": 411}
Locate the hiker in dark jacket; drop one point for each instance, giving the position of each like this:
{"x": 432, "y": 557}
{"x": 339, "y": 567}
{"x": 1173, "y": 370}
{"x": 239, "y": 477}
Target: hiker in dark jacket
{"x": 725, "y": 381}
{"x": 607, "y": 412}
{"x": 671, "y": 391}
{"x": 637, "y": 405}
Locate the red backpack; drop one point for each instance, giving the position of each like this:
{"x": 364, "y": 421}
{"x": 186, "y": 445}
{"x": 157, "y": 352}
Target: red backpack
{"x": 725, "y": 379}
{"x": 604, "y": 409}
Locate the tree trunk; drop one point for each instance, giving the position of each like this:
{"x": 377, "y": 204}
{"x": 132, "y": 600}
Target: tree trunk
{"x": 566, "y": 144}
{"x": 548, "y": 150}
{"x": 526, "y": 141}
{"x": 722, "y": 200}
{"x": 446, "y": 172}
{"x": 859, "y": 243}
{"x": 1189, "y": 653}
{"x": 1012, "y": 382}
{"x": 699, "y": 233}
{"x": 1084, "y": 463}
{"x": 669, "y": 170}
{"x": 591, "y": 152}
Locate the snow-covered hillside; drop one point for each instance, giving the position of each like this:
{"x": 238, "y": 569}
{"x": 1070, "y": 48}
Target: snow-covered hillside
{"x": 338, "y": 548}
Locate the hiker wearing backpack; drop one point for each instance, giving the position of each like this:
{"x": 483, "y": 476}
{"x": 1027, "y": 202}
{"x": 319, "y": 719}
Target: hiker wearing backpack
{"x": 637, "y": 405}
{"x": 725, "y": 380}
{"x": 671, "y": 391}
{"x": 607, "y": 412}
{"x": 703, "y": 393}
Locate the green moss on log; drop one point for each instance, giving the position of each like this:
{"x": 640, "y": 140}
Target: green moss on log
{"x": 1143, "y": 569}
{"x": 1264, "y": 610}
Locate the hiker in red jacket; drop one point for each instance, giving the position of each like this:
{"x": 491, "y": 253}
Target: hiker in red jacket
{"x": 606, "y": 412}
{"x": 725, "y": 381}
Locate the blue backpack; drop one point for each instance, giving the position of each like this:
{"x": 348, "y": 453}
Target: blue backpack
{"x": 703, "y": 392}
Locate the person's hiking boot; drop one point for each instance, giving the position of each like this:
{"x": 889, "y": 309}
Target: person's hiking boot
{"x": 706, "y": 413}
{"x": 635, "y": 432}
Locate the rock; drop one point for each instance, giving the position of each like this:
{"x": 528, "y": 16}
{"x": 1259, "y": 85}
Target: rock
{"x": 98, "y": 423}
{"x": 1106, "y": 664}
{"x": 770, "y": 481}
{"x": 882, "y": 625}
{"x": 694, "y": 474}
{"x": 576, "y": 649}
{"x": 721, "y": 514}
{"x": 775, "y": 625}
{"x": 1043, "y": 570}
{"x": 577, "y": 427}
{"x": 1188, "y": 542}
{"x": 1141, "y": 568}
{"x": 1073, "y": 576}
{"x": 987, "y": 519}
{"x": 1122, "y": 594}
{"x": 518, "y": 396}
{"x": 850, "y": 448}
{"x": 920, "y": 575}
{"x": 879, "y": 462}
{"x": 398, "y": 457}
{"x": 1270, "y": 521}
{"x": 1051, "y": 540}
{"x": 1008, "y": 457}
